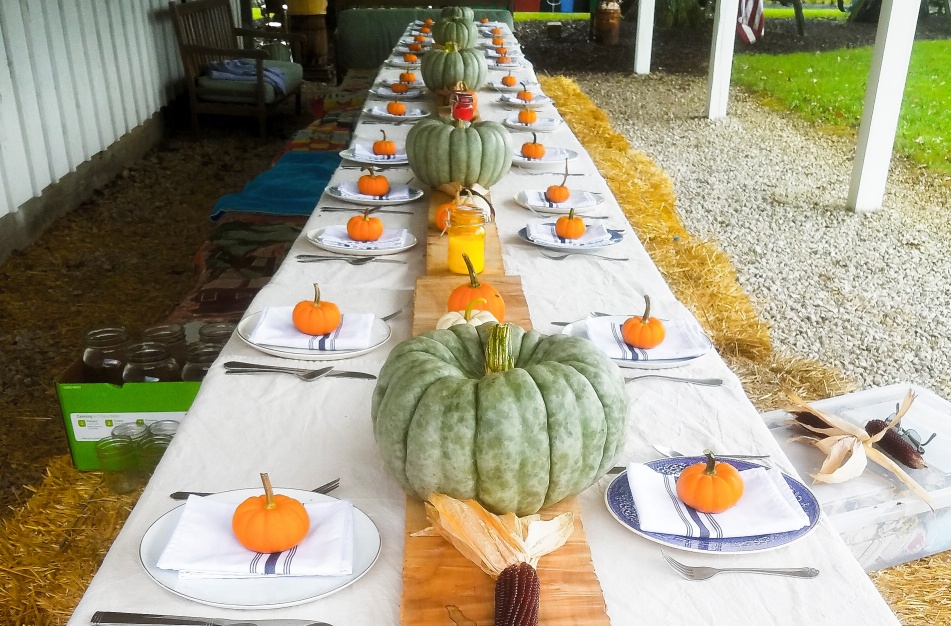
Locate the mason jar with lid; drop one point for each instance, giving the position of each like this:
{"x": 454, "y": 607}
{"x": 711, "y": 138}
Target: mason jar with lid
{"x": 104, "y": 356}
{"x": 216, "y": 332}
{"x": 150, "y": 362}
{"x": 466, "y": 232}
{"x": 172, "y": 335}
{"x": 199, "y": 358}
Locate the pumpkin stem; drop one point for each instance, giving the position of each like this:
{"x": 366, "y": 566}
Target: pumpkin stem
{"x": 366, "y": 214}
{"x": 571, "y": 214}
{"x": 316, "y": 294}
{"x": 647, "y": 309}
{"x": 473, "y": 192}
{"x": 473, "y": 277}
{"x": 384, "y": 134}
{"x": 711, "y": 467}
{"x": 534, "y": 138}
{"x": 524, "y": 88}
{"x": 370, "y": 169}
{"x": 268, "y": 491}
{"x": 467, "y": 315}
{"x": 498, "y": 354}
{"x": 564, "y": 181}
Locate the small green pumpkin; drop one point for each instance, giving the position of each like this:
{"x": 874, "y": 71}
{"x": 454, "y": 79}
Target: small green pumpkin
{"x": 516, "y": 420}
{"x": 442, "y": 152}
{"x": 465, "y": 13}
{"x": 460, "y": 30}
{"x": 443, "y": 67}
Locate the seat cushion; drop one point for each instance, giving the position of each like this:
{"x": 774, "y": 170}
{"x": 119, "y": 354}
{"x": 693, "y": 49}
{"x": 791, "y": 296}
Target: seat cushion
{"x": 365, "y": 37}
{"x": 245, "y": 92}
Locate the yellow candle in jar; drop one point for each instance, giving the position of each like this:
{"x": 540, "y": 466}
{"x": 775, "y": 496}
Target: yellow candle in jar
{"x": 466, "y": 236}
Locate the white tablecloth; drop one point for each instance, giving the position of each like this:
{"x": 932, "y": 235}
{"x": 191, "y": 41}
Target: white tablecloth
{"x": 304, "y": 434}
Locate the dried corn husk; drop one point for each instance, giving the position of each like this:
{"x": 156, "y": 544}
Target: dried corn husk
{"x": 493, "y": 542}
{"x": 848, "y": 447}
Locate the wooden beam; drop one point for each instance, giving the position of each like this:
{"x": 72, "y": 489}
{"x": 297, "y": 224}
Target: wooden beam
{"x": 883, "y": 96}
{"x": 721, "y": 58}
{"x": 645, "y": 37}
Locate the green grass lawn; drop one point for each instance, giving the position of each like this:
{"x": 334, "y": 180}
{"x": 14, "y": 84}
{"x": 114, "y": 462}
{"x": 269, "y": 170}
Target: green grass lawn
{"x": 829, "y": 88}
{"x": 549, "y": 17}
{"x": 809, "y": 14}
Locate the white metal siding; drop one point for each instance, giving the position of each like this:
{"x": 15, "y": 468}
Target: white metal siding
{"x": 76, "y": 75}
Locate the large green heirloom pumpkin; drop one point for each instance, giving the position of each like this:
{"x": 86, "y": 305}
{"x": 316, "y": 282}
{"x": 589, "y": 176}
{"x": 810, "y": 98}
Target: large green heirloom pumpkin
{"x": 442, "y": 152}
{"x": 458, "y": 12}
{"x": 443, "y": 67}
{"x": 459, "y": 30}
{"x": 516, "y": 420}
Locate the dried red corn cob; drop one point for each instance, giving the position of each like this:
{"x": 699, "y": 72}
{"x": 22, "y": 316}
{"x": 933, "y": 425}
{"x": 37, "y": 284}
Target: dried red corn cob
{"x": 516, "y": 596}
{"x": 807, "y": 418}
{"x": 895, "y": 446}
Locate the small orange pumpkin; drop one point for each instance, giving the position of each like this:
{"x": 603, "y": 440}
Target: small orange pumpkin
{"x": 316, "y": 317}
{"x": 373, "y": 184}
{"x": 425, "y": 30}
{"x": 384, "y": 147}
{"x": 364, "y": 227}
{"x": 502, "y": 51}
{"x": 643, "y": 331}
{"x": 415, "y": 47}
{"x": 428, "y": 21}
{"x": 525, "y": 95}
{"x": 710, "y": 486}
{"x": 407, "y": 77}
{"x": 396, "y": 108}
{"x": 570, "y": 226}
{"x": 509, "y": 80}
{"x": 559, "y": 193}
{"x": 462, "y": 295}
{"x": 498, "y": 41}
{"x": 409, "y": 57}
{"x": 503, "y": 61}
{"x": 484, "y": 20}
{"x": 532, "y": 149}
{"x": 419, "y": 38}
{"x": 496, "y": 31}
{"x": 441, "y": 217}
{"x": 527, "y": 116}
{"x": 270, "y": 523}
{"x": 399, "y": 87}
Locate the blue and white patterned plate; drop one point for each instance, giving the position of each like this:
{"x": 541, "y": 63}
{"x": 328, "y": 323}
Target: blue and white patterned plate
{"x": 621, "y": 505}
{"x": 616, "y": 237}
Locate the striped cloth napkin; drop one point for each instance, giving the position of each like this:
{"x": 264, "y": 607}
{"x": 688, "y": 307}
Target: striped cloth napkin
{"x": 544, "y": 232}
{"x": 577, "y": 200}
{"x": 203, "y": 544}
{"x": 349, "y": 190}
{"x": 683, "y": 339}
{"x": 554, "y": 155}
{"x": 391, "y": 238}
{"x": 768, "y": 506}
{"x": 365, "y": 153}
{"x": 276, "y": 328}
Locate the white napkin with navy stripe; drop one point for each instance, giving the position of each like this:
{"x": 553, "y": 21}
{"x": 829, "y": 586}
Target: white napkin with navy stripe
{"x": 365, "y": 153}
{"x": 391, "y": 238}
{"x": 683, "y": 339}
{"x": 767, "y": 506}
{"x": 553, "y": 155}
{"x": 350, "y": 190}
{"x": 544, "y": 232}
{"x": 203, "y": 544}
{"x": 577, "y": 200}
{"x": 410, "y": 113}
{"x": 276, "y": 328}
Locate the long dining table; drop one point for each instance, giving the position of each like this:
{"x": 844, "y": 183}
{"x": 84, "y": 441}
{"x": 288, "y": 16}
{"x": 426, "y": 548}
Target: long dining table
{"x": 306, "y": 433}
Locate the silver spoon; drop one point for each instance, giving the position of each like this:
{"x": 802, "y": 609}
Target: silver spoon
{"x": 561, "y": 257}
{"x": 706, "y": 382}
{"x": 304, "y": 375}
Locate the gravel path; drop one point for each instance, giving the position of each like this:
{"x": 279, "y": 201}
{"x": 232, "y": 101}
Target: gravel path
{"x": 868, "y": 293}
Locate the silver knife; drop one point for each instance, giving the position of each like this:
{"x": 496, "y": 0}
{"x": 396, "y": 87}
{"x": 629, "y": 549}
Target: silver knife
{"x": 333, "y": 374}
{"x": 138, "y": 619}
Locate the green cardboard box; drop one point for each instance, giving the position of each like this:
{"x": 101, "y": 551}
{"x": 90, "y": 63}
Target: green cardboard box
{"x": 91, "y": 410}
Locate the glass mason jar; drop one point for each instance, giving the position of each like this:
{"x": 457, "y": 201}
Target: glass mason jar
{"x": 466, "y": 235}
{"x": 150, "y": 362}
{"x": 104, "y": 356}
{"x": 167, "y": 428}
{"x": 119, "y": 460}
{"x": 199, "y": 358}
{"x": 172, "y": 335}
{"x": 216, "y": 332}
{"x": 133, "y": 430}
{"x": 151, "y": 450}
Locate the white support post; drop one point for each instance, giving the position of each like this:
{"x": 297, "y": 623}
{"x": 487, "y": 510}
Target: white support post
{"x": 645, "y": 37}
{"x": 883, "y": 95}
{"x": 721, "y": 58}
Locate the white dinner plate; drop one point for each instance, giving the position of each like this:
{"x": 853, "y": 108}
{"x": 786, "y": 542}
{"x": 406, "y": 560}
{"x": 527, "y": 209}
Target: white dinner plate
{"x": 498, "y": 86}
{"x": 414, "y": 194}
{"x": 490, "y": 53}
{"x": 411, "y": 115}
{"x": 616, "y": 237}
{"x": 486, "y": 44}
{"x": 379, "y": 333}
{"x": 550, "y": 159}
{"x": 313, "y": 236}
{"x": 543, "y": 124}
{"x": 388, "y": 94}
{"x": 577, "y": 197}
{"x": 406, "y": 50}
{"x": 620, "y": 503}
{"x": 409, "y": 40}
{"x": 349, "y": 155}
{"x": 579, "y": 329}
{"x": 389, "y": 82}
{"x": 406, "y": 65}
{"x": 510, "y": 99}
{"x": 258, "y": 593}
{"x": 514, "y": 65}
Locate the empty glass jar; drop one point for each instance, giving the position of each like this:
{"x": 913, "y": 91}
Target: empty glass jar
{"x": 104, "y": 357}
{"x": 216, "y": 332}
{"x": 199, "y": 358}
{"x": 119, "y": 460}
{"x": 172, "y": 335}
{"x": 150, "y": 362}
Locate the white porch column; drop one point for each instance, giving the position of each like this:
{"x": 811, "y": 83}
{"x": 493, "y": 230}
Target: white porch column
{"x": 721, "y": 58}
{"x": 645, "y": 37}
{"x": 883, "y": 95}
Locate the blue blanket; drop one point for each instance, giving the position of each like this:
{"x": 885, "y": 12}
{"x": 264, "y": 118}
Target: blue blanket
{"x": 246, "y": 70}
{"x": 291, "y": 187}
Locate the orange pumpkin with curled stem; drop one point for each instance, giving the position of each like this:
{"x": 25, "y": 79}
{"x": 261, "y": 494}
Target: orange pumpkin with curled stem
{"x": 415, "y": 47}
{"x": 419, "y": 38}
{"x": 316, "y": 317}
{"x": 504, "y": 61}
{"x": 509, "y": 80}
{"x": 409, "y": 57}
{"x": 462, "y": 295}
{"x": 399, "y": 88}
{"x": 525, "y": 95}
{"x": 498, "y": 41}
{"x": 527, "y": 116}
{"x": 710, "y": 486}
{"x": 496, "y": 31}
{"x": 270, "y": 523}
{"x": 570, "y": 226}
{"x": 373, "y": 184}
{"x": 396, "y": 108}
{"x": 384, "y": 147}
{"x": 532, "y": 149}
{"x": 559, "y": 193}
{"x": 643, "y": 331}
{"x": 501, "y": 51}
{"x": 364, "y": 227}
{"x": 407, "y": 77}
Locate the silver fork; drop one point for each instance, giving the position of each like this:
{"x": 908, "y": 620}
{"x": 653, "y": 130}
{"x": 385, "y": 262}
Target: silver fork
{"x": 304, "y": 258}
{"x": 707, "y": 382}
{"x": 547, "y": 215}
{"x": 561, "y": 257}
{"x": 703, "y": 573}
{"x": 183, "y": 495}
